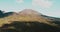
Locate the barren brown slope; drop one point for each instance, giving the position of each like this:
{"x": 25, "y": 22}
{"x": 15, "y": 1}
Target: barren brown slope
{"x": 25, "y": 15}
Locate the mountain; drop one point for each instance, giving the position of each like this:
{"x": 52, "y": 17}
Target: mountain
{"x": 28, "y": 20}
{"x": 29, "y": 12}
{"x": 27, "y": 15}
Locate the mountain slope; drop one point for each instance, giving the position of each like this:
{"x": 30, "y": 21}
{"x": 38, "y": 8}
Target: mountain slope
{"x": 27, "y": 15}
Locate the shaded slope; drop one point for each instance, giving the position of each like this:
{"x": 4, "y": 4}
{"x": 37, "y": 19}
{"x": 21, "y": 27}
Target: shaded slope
{"x": 32, "y": 26}
{"x": 2, "y": 14}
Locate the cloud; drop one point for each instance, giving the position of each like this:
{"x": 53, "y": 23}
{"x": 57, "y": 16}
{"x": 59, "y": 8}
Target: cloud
{"x": 42, "y": 3}
{"x": 19, "y": 1}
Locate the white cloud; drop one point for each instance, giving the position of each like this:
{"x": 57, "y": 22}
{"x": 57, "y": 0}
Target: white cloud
{"x": 19, "y": 1}
{"x": 42, "y": 3}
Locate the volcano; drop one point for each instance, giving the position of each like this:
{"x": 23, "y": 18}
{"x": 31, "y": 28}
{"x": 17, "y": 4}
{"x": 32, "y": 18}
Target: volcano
{"x": 28, "y": 15}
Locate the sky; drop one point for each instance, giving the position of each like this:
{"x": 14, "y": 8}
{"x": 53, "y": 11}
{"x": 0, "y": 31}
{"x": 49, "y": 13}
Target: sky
{"x": 46, "y": 7}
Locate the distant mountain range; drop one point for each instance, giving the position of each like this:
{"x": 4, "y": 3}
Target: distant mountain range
{"x": 28, "y": 15}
